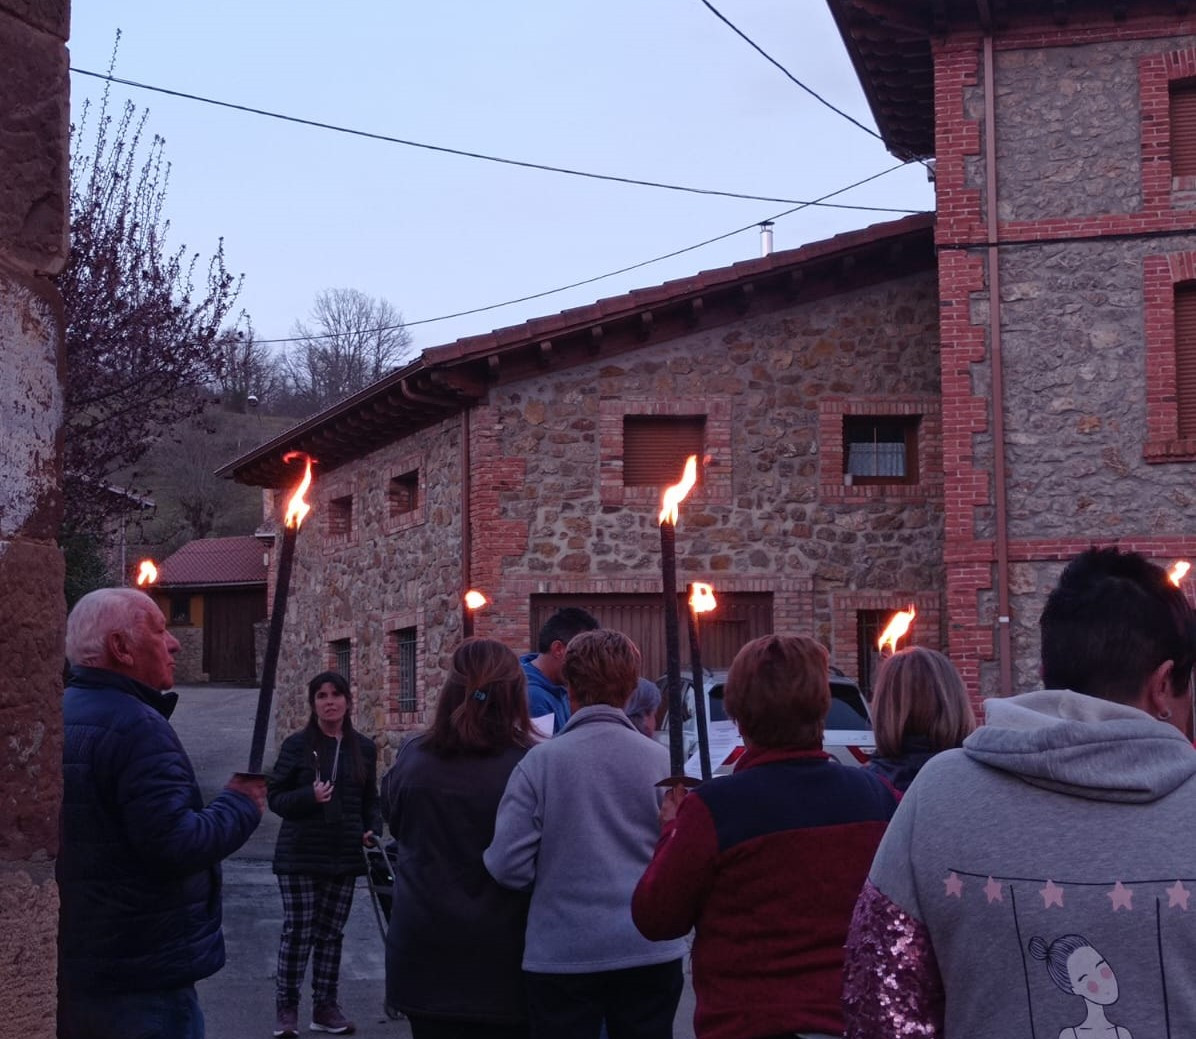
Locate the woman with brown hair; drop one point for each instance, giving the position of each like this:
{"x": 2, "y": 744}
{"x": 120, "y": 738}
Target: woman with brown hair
{"x": 766, "y": 863}
{"x": 919, "y": 708}
{"x": 455, "y": 942}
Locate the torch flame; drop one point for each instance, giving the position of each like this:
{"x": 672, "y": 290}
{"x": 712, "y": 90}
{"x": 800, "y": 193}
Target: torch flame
{"x": 475, "y": 600}
{"x": 896, "y": 628}
{"x": 702, "y": 599}
{"x": 297, "y": 508}
{"x": 147, "y": 573}
{"x": 675, "y": 495}
{"x": 1178, "y": 571}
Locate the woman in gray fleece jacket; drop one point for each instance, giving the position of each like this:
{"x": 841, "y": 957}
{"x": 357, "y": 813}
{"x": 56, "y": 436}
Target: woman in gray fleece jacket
{"x": 577, "y": 826}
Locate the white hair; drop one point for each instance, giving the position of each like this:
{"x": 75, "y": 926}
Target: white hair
{"x": 96, "y": 616}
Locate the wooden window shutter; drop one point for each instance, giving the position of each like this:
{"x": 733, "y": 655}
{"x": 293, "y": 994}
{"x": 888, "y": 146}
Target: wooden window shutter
{"x": 1185, "y": 358}
{"x": 655, "y": 447}
{"x": 1183, "y": 129}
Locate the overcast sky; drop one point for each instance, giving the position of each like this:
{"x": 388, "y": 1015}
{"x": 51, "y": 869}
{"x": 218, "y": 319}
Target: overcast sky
{"x": 650, "y": 89}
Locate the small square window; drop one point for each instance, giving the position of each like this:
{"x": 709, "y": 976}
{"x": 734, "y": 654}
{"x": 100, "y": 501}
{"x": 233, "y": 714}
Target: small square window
{"x": 401, "y": 664}
{"x": 340, "y": 517}
{"x": 655, "y": 447}
{"x": 879, "y": 449}
{"x": 180, "y": 608}
{"x": 341, "y": 652}
{"x": 403, "y": 493}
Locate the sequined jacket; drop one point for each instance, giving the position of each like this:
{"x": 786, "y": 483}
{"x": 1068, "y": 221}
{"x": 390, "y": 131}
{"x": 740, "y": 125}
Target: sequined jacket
{"x": 766, "y": 864}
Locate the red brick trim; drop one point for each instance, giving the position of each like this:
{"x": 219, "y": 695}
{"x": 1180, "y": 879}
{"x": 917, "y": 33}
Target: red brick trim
{"x": 926, "y": 629}
{"x": 958, "y": 206}
{"x": 715, "y": 483}
{"x": 338, "y": 487}
{"x": 930, "y": 453}
{"x": 416, "y": 463}
{"x": 1160, "y": 275}
{"x": 495, "y": 542}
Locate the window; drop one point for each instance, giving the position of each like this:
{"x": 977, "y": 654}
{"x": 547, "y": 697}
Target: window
{"x": 180, "y": 608}
{"x": 340, "y": 517}
{"x": 869, "y": 624}
{"x": 1183, "y": 128}
{"x": 403, "y": 493}
{"x": 655, "y": 447}
{"x": 341, "y": 652}
{"x": 880, "y": 449}
{"x": 401, "y": 662}
{"x": 1185, "y": 357}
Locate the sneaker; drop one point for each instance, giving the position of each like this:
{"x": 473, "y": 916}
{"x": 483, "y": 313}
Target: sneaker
{"x": 328, "y": 1017}
{"x": 286, "y": 1022}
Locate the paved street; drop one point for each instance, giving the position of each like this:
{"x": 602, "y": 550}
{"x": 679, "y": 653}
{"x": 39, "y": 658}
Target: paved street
{"x": 215, "y": 724}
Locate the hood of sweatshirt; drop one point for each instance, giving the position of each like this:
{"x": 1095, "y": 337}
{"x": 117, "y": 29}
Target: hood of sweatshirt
{"x": 1083, "y": 746}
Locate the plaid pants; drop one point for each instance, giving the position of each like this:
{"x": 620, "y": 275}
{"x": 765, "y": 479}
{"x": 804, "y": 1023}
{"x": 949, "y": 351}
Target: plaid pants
{"x": 314, "y": 913}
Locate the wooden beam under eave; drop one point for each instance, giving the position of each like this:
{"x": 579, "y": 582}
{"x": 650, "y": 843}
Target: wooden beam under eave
{"x": 745, "y": 297}
{"x": 645, "y": 324}
{"x": 544, "y": 353}
{"x": 697, "y": 309}
{"x": 595, "y": 343}
{"x": 459, "y": 382}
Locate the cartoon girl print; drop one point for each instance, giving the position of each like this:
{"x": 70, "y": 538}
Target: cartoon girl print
{"x": 1078, "y": 969}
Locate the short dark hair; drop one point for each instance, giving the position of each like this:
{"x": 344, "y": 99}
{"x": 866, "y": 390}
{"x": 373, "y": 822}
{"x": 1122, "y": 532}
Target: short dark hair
{"x": 1113, "y": 618}
{"x": 778, "y": 691}
{"x": 563, "y": 625}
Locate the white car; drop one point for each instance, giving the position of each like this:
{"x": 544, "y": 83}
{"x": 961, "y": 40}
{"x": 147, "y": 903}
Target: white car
{"x": 848, "y": 735}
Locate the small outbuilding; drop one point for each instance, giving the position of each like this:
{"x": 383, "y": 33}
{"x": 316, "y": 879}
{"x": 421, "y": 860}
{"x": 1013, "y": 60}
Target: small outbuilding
{"x": 213, "y": 593}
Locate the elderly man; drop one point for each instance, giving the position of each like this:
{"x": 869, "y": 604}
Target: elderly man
{"x": 139, "y": 864}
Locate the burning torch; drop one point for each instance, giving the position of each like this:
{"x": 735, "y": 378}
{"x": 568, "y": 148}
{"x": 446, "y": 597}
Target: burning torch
{"x": 701, "y": 600}
{"x": 147, "y": 573}
{"x": 895, "y": 630}
{"x": 297, "y": 509}
{"x": 474, "y": 601}
{"x": 672, "y": 497}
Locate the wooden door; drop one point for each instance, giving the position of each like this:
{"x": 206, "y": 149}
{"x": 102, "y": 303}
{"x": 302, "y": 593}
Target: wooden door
{"x": 229, "y": 617}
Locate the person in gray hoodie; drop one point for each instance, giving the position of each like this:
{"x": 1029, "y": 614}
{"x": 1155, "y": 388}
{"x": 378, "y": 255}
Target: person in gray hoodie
{"x": 1037, "y": 881}
{"x": 576, "y": 827}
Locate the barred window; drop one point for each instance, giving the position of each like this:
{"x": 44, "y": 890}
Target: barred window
{"x": 401, "y": 663}
{"x": 341, "y": 652}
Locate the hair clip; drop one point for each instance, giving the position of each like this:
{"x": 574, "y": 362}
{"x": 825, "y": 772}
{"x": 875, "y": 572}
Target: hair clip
{"x": 479, "y": 695}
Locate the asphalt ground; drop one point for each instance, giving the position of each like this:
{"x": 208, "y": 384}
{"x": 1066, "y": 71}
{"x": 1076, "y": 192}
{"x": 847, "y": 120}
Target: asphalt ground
{"x": 215, "y": 724}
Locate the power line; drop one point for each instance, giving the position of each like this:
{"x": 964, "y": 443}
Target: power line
{"x": 476, "y": 155}
{"x": 792, "y": 78}
{"x": 598, "y": 277}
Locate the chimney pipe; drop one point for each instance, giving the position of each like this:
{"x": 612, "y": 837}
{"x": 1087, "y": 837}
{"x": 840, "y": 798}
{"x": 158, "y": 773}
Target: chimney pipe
{"x": 766, "y": 238}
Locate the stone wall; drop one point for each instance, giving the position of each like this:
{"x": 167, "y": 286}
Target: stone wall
{"x": 34, "y": 95}
{"x": 550, "y": 514}
{"x": 188, "y": 662}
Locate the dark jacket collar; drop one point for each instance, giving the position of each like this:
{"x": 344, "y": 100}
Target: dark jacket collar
{"x": 102, "y": 678}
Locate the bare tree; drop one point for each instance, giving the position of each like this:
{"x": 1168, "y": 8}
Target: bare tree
{"x": 143, "y": 321}
{"x": 352, "y": 340}
{"x": 250, "y": 374}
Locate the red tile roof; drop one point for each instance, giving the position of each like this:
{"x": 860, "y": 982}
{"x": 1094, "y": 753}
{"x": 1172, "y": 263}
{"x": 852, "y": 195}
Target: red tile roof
{"x": 238, "y": 560}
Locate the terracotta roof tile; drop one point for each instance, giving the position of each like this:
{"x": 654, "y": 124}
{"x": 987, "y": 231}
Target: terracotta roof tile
{"x": 236, "y": 560}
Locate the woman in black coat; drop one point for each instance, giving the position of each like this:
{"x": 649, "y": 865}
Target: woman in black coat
{"x": 324, "y": 785}
{"x": 454, "y": 949}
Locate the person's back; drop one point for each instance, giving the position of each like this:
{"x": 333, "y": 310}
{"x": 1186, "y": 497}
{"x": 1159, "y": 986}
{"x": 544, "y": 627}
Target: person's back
{"x": 1033, "y": 882}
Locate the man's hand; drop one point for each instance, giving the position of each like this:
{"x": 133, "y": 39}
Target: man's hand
{"x": 253, "y": 787}
{"x": 367, "y": 838}
{"x": 323, "y": 790}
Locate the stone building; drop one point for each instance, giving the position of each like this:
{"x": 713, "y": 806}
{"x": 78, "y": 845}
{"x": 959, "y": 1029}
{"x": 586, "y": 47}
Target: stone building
{"x": 34, "y": 117}
{"x": 1064, "y": 139}
{"x": 528, "y": 463}
{"x": 1034, "y": 373}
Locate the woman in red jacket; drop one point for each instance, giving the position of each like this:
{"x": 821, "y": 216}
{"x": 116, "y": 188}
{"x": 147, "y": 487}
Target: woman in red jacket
{"x": 766, "y": 863}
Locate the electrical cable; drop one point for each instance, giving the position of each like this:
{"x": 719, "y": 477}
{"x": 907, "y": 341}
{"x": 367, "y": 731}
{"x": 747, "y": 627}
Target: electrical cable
{"x": 476, "y": 155}
{"x": 599, "y": 277}
{"x": 773, "y": 61}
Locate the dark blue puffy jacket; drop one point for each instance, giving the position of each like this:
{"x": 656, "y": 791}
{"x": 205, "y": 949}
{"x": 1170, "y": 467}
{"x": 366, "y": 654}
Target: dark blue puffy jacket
{"x": 139, "y": 862}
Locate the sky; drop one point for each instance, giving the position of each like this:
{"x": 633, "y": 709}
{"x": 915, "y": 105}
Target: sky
{"x": 656, "y": 90}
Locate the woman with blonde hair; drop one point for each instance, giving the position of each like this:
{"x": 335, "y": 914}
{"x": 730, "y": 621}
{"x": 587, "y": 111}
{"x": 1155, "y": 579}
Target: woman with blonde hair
{"x": 919, "y": 708}
{"x": 455, "y": 942}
